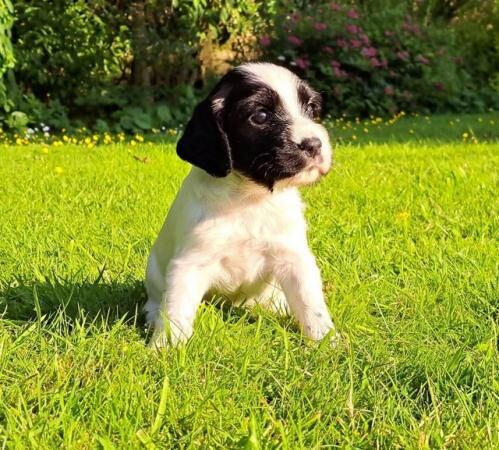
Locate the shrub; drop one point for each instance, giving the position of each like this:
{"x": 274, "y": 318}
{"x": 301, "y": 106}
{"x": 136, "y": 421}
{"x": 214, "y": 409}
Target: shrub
{"x": 6, "y": 54}
{"x": 373, "y": 60}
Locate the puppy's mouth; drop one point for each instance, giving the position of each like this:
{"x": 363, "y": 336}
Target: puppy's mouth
{"x": 320, "y": 165}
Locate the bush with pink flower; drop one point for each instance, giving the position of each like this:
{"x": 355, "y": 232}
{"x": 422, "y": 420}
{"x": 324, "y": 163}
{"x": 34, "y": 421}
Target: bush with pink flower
{"x": 371, "y": 60}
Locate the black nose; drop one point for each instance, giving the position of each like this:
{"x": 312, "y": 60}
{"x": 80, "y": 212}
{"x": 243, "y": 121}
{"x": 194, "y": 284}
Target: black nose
{"x": 311, "y": 145}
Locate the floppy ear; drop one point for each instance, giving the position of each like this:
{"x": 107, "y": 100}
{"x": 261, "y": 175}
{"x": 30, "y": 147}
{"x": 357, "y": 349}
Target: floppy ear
{"x": 204, "y": 143}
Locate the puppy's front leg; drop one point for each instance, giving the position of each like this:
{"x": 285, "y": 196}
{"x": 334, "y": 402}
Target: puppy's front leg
{"x": 300, "y": 280}
{"x": 186, "y": 285}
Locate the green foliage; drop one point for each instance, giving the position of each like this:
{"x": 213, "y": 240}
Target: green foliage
{"x": 121, "y": 60}
{"x": 376, "y": 60}
{"x": 118, "y": 65}
{"x": 7, "y": 59}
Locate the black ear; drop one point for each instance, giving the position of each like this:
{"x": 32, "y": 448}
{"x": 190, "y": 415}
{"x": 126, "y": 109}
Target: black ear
{"x": 204, "y": 143}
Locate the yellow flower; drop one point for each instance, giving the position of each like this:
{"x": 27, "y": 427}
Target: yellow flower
{"x": 59, "y": 170}
{"x": 465, "y": 135}
{"x": 133, "y": 143}
{"x": 354, "y": 137}
{"x": 366, "y": 130}
{"x": 139, "y": 138}
{"x": 411, "y": 131}
{"x": 88, "y": 141}
{"x": 45, "y": 150}
{"x": 403, "y": 216}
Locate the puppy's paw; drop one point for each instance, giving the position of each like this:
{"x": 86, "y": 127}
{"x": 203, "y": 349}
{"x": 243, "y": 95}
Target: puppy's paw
{"x": 169, "y": 335}
{"x": 318, "y": 326}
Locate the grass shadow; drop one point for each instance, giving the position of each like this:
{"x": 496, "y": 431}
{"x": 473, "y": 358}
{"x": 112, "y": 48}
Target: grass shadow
{"x": 111, "y": 302}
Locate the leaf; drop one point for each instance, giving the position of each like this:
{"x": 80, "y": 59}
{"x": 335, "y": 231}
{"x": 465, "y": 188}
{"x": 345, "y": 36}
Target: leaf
{"x": 164, "y": 114}
{"x": 17, "y": 120}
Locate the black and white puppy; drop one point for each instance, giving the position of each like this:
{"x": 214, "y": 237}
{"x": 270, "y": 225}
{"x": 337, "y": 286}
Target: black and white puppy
{"x": 236, "y": 227}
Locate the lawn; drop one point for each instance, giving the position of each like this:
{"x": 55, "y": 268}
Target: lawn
{"x": 405, "y": 231}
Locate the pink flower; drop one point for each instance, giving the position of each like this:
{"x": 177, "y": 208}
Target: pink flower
{"x": 302, "y": 63}
{"x": 295, "y": 17}
{"x": 265, "y": 41}
{"x": 335, "y": 63}
{"x": 375, "y": 62}
{"x": 335, "y": 6}
{"x": 389, "y": 33}
{"x": 351, "y": 28}
{"x": 389, "y": 91}
{"x": 294, "y": 40}
{"x": 411, "y": 28}
{"x": 352, "y": 14}
{"x": 320, "y": 26}
{"x": 365, "y": 39}
{"x": 341, "y": 43}
{"x": 328, "y": 49}
{"x": 423, "y": 60}
{"x": 355, "y": 43}
{"x": 369, "y": 52}
{"x": 403, "y": 55}
{"x": 339, "y": 73}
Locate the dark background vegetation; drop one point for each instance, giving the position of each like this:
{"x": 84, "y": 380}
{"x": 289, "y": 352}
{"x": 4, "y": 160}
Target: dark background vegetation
{"x": 116, "y": 65}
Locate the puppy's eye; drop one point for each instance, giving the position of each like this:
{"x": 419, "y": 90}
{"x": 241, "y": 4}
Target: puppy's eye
{"x": 311, "y": 110}
{"x": 260, "y": 117}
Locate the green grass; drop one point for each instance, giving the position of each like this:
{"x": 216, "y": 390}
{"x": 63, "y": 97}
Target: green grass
{"x": 405, "y": 233}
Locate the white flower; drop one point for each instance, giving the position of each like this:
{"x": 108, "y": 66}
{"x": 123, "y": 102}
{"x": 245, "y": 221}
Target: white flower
{"x": 45, "y": 128}
{"x": 281, "y": 58}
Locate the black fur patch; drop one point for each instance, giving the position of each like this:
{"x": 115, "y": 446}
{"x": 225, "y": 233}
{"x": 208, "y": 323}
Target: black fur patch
{"x": 221, "y": 135}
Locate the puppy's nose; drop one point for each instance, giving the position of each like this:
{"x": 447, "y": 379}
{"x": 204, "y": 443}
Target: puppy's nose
{"x": 311, "y": 145}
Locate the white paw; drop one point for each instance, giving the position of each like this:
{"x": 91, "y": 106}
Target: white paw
{"x": 318, "y": 325}
{"x": 169, "y": 335}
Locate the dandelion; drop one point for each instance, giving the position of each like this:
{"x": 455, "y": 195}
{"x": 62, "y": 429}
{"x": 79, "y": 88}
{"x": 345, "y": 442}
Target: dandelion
{"x": 465, "y": 136}
{"x": 59, "y": 170}
{"x": 403, "y": 217}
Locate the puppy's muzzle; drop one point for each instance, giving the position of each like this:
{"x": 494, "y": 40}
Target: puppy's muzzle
{"x": 312, "y": 146}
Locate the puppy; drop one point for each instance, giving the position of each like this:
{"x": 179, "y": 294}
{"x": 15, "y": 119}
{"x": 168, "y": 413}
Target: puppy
{"x": 236, "y": 228}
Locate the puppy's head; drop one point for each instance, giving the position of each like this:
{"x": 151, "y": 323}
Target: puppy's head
{"x": 259, "y": 122}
